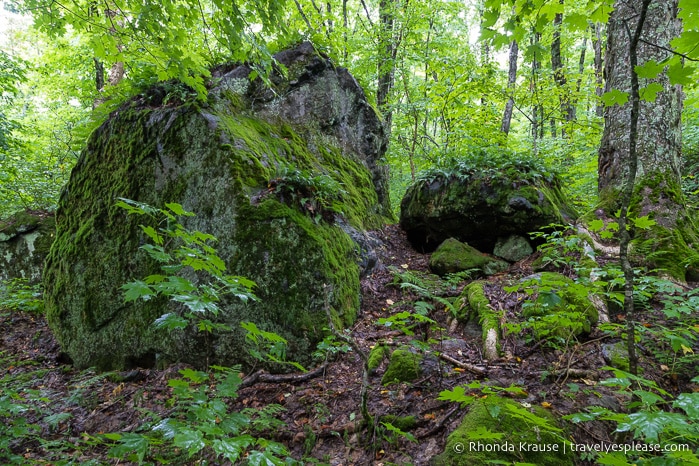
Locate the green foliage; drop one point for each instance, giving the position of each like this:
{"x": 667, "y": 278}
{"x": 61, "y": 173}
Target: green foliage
{"x": 202, "y": 425}
{"x": 561, "y": 249}
{"x": 267, "y": 346}
{"x": 179, "y": 253}
{"x": 194, "y": 40}
{"x": 18, "y": 295}
{"x": 316, "y": 195}
{"x": 12, "y": 70}
{"x": 492, "y": 163}
{"x": 654, "y": 419}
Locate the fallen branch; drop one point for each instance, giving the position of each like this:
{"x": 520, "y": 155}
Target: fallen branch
{"x": 591, "y": 374}
{"x": 440, "y": 425}
{"x": 262, "y": 376}
{"x": 464, "y": 365}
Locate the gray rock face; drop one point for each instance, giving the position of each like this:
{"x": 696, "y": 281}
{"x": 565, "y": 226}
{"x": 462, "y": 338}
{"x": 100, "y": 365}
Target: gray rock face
{"x": 513, "y": 248}
{"x": 25, "y": 240}
{"x": 288, "y": 180}
{"x": 480, "y": 206}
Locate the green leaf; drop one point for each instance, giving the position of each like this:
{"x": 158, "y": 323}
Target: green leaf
{"x": 231, "y": 449}
{"x": 649, "y": 70}
{"x": 576, "y": 21}
{"x": 649, "y": 425}
{"x": 458, "y": 395}
{"x": 483, "y": 433}
{"x": 689, "y": 402}
{"x": 177, "y": 209}
{"x": 615, "y": 97}
{"x": 194, "y": 376}
{"x": 192, "y": 441}
{"x": 681, "y": 74}
{"x": 596, "y": 225}
{"x": 171, "y": 321}
{"x": 157, "y": 252}
{"x": 650, "y": 92}
{"x": 152, "y": 234}
{"x": 137, "y": 289}
{"x": 644, "y": 222}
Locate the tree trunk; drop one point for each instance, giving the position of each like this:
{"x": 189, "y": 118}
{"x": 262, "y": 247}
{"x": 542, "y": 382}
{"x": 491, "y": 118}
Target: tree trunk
{"x": 599, "y": 67}
{"x": 386, "y": 60}
{"x": 559, "y": 75}
{"x": 657, "y": 192}
{"x": 511, "y": 79}
{"x": 537, "y": 120}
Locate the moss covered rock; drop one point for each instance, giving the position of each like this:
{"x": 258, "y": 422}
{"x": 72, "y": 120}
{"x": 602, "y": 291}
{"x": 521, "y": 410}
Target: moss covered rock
{"x": 480, "y": 205}
{"x": 25, "y": 240}
{"x": 502, "y": 431}
{"x": 453, "y": 256}
{"x": 404, "y": 366}
{"x": 283, "y": 190}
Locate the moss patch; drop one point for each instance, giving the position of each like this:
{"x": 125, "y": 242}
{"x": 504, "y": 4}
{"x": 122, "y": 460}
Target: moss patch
{"x": 404, "y": 366}
{"x": 25, "y": 241}
{"x": 672, "y": 244}
{"x": 515, "y": 435}
{"x": 453, "y": 256}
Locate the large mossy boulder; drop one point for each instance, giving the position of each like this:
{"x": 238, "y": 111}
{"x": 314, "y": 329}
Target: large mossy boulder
{"x": 478, "y": 203}
{"x": 25, "y": 240}
{"x": 501, "y": 431}
{"x": 256, "y": 165}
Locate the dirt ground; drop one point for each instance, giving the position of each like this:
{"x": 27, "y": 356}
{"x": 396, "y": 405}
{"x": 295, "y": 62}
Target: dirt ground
{"x": 321, "y": 414}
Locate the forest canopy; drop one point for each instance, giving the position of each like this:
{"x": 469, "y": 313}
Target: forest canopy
{"x": 453, "y": 80}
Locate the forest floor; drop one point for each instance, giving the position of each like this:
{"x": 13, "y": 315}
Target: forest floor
{"x": 321, "y": 414}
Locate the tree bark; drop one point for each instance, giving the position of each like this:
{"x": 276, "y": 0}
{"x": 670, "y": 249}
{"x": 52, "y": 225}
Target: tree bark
{"x": 652, "y": 129}
{"x": 511, "y": 79}
{"x": 386, "y": 60}
{"x": 660, "y": 134}
{"x": 599, "y": 67}
{"x": 559, "y": 75}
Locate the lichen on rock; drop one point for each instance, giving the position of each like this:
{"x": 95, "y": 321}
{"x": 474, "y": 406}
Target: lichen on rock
{"x": 25, "y": 240}
{"x": 223, "y": 159}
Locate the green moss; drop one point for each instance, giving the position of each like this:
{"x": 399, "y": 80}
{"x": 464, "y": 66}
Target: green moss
{"x": 404, "y": 366}
{"x": 376, "y": 357}
{"x": 617, "y": 354}
{"x": 523, "y": 435}
{"x": 474, "y": 296}
{"x": 672, "y": 244}
{"x": 453, "y": 256}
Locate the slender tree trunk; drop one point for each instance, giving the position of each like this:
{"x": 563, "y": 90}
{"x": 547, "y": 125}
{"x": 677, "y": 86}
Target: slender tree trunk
{"x": 386, "y": 60}
{"x": 537, "y": 120}
{"x": 511, "y": 80}
{"x": 559, "y": 75}
{"x": 599, "y": 67}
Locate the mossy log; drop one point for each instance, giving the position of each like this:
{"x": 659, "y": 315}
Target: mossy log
{"x": 489, "y": 319}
